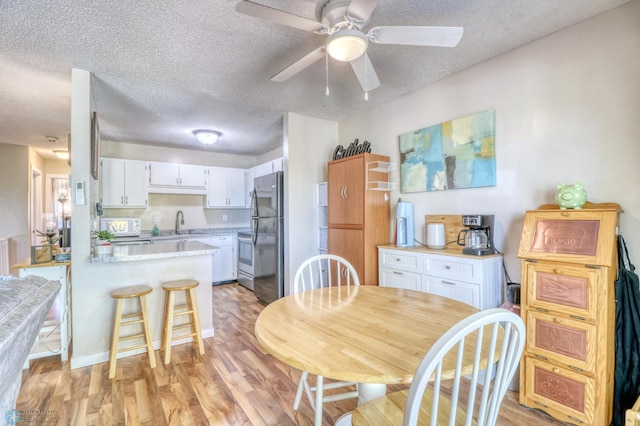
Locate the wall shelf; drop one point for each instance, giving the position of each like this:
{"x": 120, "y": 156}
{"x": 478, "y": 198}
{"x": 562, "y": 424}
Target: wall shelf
{"x": 379, "y": 176}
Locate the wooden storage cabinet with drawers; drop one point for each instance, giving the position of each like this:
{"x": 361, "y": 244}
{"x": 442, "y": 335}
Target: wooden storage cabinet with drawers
{"x": 567, "y": 303}
{"x": 476, "y": 281}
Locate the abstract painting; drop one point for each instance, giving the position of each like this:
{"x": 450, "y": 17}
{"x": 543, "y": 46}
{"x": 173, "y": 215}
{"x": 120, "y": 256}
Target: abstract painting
{"x": 459, "y": 153}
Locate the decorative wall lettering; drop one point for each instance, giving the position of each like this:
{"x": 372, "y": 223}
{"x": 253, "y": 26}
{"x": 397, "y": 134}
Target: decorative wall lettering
{"x": 353, "y": 149}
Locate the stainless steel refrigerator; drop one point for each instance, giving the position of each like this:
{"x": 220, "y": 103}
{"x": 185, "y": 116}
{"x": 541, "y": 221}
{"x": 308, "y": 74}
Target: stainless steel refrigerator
{"x": 268, "y": 237}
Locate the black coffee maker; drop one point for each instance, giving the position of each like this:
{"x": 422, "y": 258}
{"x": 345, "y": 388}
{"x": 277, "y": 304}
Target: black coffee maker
{"x": 477, "y": 240}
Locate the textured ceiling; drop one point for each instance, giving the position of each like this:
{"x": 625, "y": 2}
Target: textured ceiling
{"x": 164, "y": 68}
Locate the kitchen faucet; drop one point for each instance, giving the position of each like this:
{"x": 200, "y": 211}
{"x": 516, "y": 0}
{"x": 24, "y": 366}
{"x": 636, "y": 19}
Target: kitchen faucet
{"x": 179, "y": 220}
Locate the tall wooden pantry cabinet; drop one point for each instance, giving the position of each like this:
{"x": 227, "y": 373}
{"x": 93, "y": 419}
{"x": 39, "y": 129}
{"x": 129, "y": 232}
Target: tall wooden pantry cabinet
{"x": 358, "y": 217}
{"x": 569, "y": 263}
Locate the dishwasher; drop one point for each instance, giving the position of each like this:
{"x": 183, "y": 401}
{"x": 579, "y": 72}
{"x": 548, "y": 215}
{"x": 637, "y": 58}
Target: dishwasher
{"x": 223, "y": 266}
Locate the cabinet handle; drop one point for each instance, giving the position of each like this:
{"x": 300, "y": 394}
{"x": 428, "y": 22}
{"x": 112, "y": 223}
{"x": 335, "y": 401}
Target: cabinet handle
{"x": 542, "y": 310}
{"x": 447, "y": 267}
{"x": 575, "y": 419}
{"x": 544, "y": 358}
{"x": 398, "y": 273}
{"x": 541, "y": 404}
{"x": 447, "y": 282}
{"x": 126, "y": 200}
{"x": 578, "y": 317}
{"x": 122, "y": 200}
{"x": 576, "y": 368}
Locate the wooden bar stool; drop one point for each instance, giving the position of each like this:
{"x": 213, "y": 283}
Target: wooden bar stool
{"x": 190, "y": 308}
{"x": 141, "y": 317}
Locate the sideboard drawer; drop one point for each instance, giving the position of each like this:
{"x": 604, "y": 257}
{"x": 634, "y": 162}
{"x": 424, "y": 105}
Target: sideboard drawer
{"x": 400, "y": 259}
{"x": 400, "y": 279}
{"x": 453, "y": 267}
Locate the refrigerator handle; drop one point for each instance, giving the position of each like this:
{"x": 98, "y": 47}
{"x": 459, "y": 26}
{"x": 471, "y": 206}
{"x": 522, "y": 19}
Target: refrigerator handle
{"x": 254, "y": 230}
{"x": 254, "y": 203}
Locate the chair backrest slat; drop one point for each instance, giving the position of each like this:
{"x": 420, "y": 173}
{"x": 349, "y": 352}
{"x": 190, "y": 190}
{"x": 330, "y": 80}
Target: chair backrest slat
{"x": 320, "y": 270}
{"x": 498, "y": 349}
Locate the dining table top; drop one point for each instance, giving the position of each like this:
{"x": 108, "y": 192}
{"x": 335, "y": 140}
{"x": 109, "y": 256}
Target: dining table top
{"x": 365, "y": 334}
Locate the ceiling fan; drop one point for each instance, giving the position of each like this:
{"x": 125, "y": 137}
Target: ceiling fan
{"x": 343, "y": 22}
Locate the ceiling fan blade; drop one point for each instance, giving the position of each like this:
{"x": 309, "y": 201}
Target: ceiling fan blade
{"x": 367, "y": 76}
{"x": 299, "y": 65}
{"x": 416, "y": 36}
{"x": 264, "y": 12}
{"x": 361, "y": 9}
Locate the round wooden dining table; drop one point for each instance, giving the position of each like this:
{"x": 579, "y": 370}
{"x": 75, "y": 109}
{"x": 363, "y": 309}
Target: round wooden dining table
{"x": 367, "y": 334}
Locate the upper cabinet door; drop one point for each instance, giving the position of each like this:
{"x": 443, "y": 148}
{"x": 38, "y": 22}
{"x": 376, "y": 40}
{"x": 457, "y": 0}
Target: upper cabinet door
{"x": 135, "y": 178}
{"x": 236, "y": 189}
{"x": 164, "y": 174}
{"x": 346, "y": 192}
{"x": 193, "y": 176}
{"x": 112, "y": 182}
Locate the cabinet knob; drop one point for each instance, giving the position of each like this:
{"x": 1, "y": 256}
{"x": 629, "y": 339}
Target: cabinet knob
{"x": 557, "y": 320}
{"x": 557, "y": 271}
{"x": 556, "y": 370}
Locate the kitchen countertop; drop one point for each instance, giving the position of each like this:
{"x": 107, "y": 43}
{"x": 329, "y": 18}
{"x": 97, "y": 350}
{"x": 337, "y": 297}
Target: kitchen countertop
{"x": 159, "y": 250}
{"x": 446, "y": 251}
{"x": 187, "y": 234}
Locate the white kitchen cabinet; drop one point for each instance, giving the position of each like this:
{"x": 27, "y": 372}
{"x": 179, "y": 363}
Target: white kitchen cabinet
{"x": 55, "y": 335}
{"x": 123, "y": 183}
{"x": 268, "y": 167}
{"x": 475, "y": 280}
{"x": 262, "y": 169}
{"x": 225, "y": 261}
{"x": 225, "y": 188}
{"x": 177, "y": 178}
{"x": 400, "y": 269}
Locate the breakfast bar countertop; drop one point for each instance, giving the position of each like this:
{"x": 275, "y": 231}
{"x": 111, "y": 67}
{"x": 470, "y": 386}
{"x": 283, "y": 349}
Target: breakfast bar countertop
{"x": 157, "y": 250}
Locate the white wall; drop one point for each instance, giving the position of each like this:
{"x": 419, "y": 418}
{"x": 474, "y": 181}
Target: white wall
{"x": 15, "y": 180}
{"x": 133, "y": 151}
{"x": 567, "y": 109}
{"x": 308, "y": 146}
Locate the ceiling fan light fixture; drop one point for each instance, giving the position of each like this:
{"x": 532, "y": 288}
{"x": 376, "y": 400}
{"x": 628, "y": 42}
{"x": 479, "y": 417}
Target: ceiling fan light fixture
{"x": 347, "y": 45}
{"x": 207, "y": 137}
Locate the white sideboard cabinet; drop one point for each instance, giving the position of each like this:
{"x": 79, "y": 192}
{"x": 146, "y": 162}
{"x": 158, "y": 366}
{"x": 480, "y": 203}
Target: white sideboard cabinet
{"x": 475, "y": 280}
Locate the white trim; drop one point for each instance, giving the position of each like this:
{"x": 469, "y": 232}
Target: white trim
{"x": 104, "y": 356}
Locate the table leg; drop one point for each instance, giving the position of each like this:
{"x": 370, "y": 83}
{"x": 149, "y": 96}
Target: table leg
{"x": 369, "y": 391}
{"x": 366, "y": 392}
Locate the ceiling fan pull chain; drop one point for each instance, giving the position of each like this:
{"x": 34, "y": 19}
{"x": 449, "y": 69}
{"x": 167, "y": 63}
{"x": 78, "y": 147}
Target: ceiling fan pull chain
{"x": 326, "y": 68}
{"x": 366, "y": 83}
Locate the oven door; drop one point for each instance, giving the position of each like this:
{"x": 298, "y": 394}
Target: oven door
{"x": 245, "y": 261}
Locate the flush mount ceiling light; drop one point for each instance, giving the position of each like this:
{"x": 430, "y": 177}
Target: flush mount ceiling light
{"x": 63, "y": 155}
{"x": 207, "y": 137}
{"x": 347, "y": 45}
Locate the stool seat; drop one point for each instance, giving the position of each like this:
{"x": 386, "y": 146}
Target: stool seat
{"x": 171, "y": 311}
{"x": 131, "y": 291}
{"x": 177, "y": 285}
{"x": 141, "y": 317}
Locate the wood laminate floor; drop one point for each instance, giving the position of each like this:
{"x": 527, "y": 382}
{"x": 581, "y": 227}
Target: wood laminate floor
{"x": 234, "y": 383}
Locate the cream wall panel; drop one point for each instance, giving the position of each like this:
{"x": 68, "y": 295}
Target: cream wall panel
{"x": 567, "y": 110}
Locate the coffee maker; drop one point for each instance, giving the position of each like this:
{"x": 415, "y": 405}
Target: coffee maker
{"x": 478, "y": 238}
{"x": 404, "y": 224}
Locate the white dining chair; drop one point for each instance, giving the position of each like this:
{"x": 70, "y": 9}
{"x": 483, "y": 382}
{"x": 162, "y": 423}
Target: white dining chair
{"x": 323, "y": 270}
{"x": 496, "y": 338}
